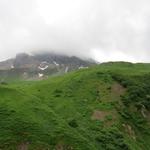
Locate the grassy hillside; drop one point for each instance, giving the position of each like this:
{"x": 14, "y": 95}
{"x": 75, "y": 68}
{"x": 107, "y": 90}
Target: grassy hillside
{"x": 106, "y": 107}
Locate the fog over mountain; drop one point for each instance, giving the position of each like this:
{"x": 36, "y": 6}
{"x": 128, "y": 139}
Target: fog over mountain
{"x": 106, "y": 30}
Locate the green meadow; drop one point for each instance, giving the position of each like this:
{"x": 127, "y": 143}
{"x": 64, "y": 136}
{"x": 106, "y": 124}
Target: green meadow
{"x": 104, "y": 107}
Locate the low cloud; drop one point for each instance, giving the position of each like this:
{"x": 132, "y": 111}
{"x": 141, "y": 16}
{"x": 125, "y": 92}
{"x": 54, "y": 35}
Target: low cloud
{"x": 106, "y": 30}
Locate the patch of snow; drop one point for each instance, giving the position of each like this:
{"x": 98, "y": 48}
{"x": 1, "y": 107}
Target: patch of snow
{"x": 44, "y": 62}
{"x": 40, "y": 75}
{"x": 66, "y": 70}
{"x": 25, "y": 73}
{"x": 43, "y": 68}
{"x": 55, "y": 63}
{"x": 43, "y": 65}
{"x": 82, "y": 67}
{"x": 12, "y": 66}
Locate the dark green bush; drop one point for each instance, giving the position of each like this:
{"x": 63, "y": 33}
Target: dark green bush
{"x": 111, "y": 140}
{"x": 73, "y": 123}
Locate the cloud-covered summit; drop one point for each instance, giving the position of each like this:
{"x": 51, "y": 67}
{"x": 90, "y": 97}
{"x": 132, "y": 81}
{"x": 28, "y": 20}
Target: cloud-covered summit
{"x": 102, "y": 29}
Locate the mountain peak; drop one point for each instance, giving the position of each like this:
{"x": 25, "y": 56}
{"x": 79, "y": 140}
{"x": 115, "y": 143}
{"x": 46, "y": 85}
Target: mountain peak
{"x": 30, "y": 66}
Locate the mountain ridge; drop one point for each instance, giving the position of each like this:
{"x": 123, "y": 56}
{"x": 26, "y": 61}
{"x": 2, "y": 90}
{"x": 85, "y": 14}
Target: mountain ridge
{"x": 41, "y": 65}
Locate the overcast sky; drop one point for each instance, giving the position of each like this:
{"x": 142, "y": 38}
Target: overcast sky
{"x": 106, "y": 30}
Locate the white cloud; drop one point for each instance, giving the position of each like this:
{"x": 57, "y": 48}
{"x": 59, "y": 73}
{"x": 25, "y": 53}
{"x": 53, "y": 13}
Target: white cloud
{"x": 105, "y": 56}
{"x": 106, "y": 30}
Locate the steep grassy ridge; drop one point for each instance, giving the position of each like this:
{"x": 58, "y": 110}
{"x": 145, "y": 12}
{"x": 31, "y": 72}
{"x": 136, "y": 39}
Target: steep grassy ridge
{"x": 106, "y": 107}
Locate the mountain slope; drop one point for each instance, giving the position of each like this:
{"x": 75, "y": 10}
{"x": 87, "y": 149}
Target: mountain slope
{"x": 40, "y": 66}
{"x": 106, "y": 107}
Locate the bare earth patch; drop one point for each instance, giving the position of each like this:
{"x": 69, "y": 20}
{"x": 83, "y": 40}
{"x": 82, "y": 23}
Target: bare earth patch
{"x": 23, "y": 146}
{"x": 61, "y": 146}
{"x": 118, "y": 89}
{"x": 99, "y": 115}
{"x": 148, "y": 116}
{"x": 129, "y": 130}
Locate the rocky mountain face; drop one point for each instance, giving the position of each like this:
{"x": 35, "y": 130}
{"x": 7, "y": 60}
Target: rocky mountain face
{"x": 39, "y": 66}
